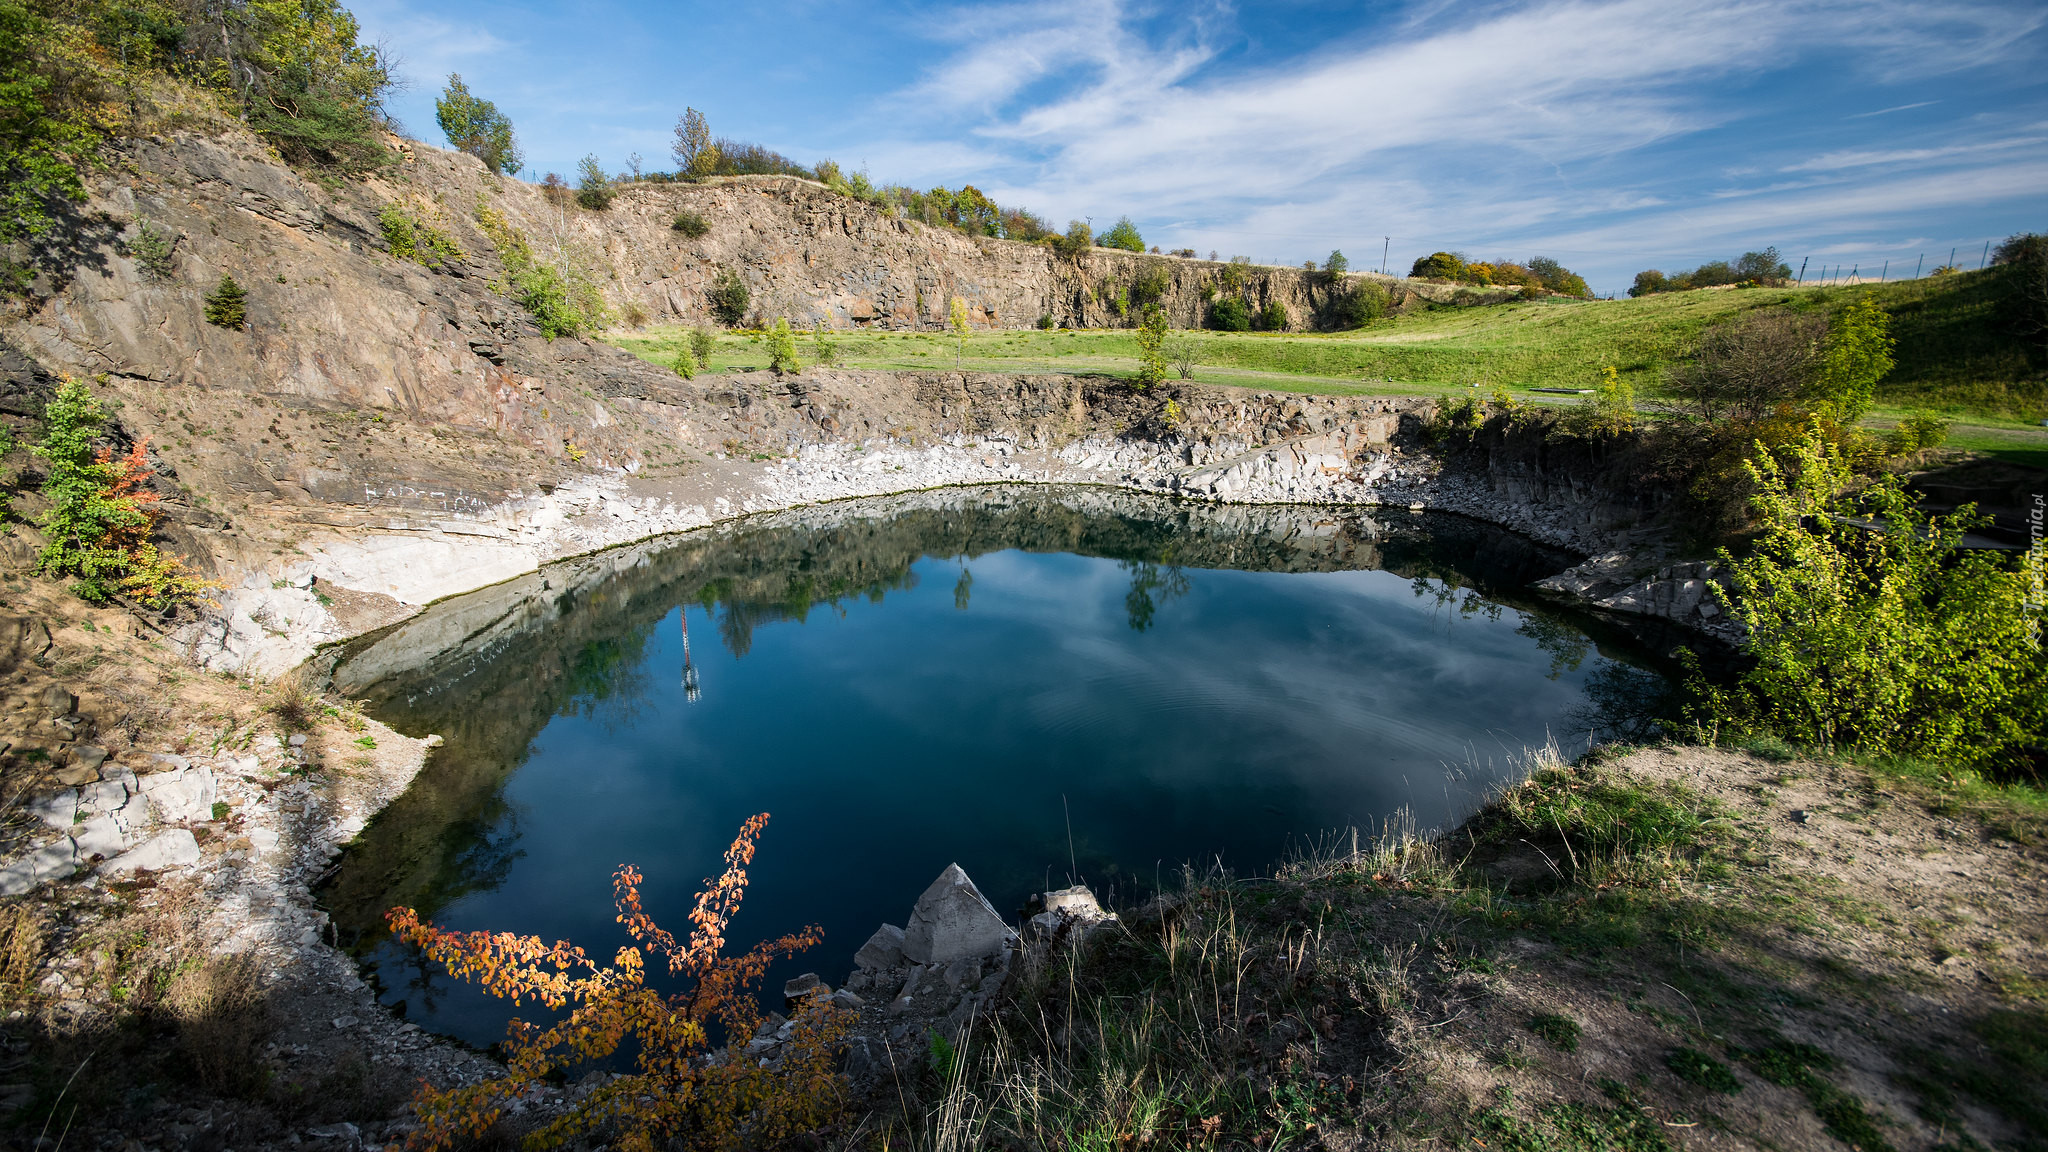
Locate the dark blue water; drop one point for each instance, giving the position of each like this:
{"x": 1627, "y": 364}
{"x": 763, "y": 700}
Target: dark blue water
{"x": 1039, "y": 691}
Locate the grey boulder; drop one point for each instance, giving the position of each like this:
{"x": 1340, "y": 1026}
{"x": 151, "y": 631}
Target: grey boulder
{"x": 883, "y": 950}
{"x": 953, "y": 921}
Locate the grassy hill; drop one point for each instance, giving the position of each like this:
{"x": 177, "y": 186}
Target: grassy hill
{"x": 1955, "y": 353}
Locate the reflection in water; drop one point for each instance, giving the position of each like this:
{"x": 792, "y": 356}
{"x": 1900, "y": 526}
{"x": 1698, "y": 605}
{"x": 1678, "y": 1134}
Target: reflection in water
{"x": 1193, "y": 681}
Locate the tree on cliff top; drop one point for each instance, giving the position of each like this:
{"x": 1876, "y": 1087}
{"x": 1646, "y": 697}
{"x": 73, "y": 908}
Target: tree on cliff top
{"x": 475, "y": 126}
{"x": 1123, "y": 234}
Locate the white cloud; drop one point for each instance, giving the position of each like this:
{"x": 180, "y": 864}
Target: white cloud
{"x": 1485, "y": 126}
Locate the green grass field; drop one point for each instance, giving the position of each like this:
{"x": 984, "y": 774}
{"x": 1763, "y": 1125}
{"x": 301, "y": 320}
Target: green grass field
{"x": 1953, "y": 353}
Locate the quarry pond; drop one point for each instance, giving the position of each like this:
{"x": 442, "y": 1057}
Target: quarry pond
{"x": 1044, "y": 685}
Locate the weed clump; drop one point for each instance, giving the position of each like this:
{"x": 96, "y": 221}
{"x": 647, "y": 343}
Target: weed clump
{"x": 1560, "y": 1032}
{"x": 1696, "y": 1067}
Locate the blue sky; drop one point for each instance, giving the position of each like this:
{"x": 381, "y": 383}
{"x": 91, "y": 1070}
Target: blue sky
{"x": 1612, "y": 134}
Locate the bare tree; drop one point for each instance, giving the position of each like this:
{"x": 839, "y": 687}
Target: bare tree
{"x": 1745, "y": 369}
{"x": 1181, "y": 352}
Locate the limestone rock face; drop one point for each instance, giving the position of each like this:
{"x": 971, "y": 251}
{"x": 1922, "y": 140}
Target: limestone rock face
{"x": 953, "y": 921}
{"x": 176, "y": 848}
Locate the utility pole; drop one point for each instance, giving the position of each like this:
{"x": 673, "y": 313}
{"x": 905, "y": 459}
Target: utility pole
{"x": 1885, "y": 271}
{"x": 1802, "y": 270}
{"x": 1386, "y": 246}
{"x": 1951, "y": 257}
{"x": 1986, "y": 256}
{"x": 1853, "y": 269}
{"x": 1917, "y": 264}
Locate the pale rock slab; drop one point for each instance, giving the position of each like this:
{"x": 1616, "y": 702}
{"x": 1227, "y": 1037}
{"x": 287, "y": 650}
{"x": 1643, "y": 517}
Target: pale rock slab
{"x": 953, "y": 921}
{"x": 174, "y": 848}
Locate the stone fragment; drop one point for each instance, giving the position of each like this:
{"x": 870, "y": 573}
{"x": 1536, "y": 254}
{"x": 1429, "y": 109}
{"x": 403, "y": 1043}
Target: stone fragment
{"x": 953, "y": 921}
{"x": 59, "y": 811}
{"x": 180, "y": 795}
{"x": 89, "y": 756}
{"x": 883, "y": 950}
{"x": 116, "y": 774}
{"x": 175, "y": 848}
{"x": 99, "y": 836}
{"x": 798, "y": 990}
{"x": 847, "y": 999}
{"x": 1073, "y": 911}
{"x": 104, "y": 796}
{"x": 50, "y": 862}
{"x": 298, "y": 740}
{"x": 59, "y": 700}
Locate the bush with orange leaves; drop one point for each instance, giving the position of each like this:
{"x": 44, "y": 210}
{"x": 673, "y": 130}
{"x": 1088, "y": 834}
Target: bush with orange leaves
{"x": 684, "y": 1093}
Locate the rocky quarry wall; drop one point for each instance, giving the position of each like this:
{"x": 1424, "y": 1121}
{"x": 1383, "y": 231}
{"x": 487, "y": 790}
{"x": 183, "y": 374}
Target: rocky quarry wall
{"x": 398, "y": 434}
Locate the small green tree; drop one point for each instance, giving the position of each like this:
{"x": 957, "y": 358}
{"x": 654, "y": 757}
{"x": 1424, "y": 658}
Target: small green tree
{"x": 227, "y": 306}
{"x": 782, "y": 347}
{"x": 1152, "y": 332}
{"x": 1123, "y": 234}
{"x": 152, "y": 248}
{"x": 1438, "y": 266}
{"x": 694, "y": 153}
{"x": 477, "y": 127}
{"x": 701, "y": 344}
{"x": 1873, "y": 627}
{"x": 728, "y": 297}
{"x": 1075, "y": 241}
{"x": 1613, "y": 408}
{"x": 684, "y": 365}
{"x": 77, "y": 483}
{"x": 1273, "y": 317}
{"x": 1857, "y": 356}
{"x": 956, "y": 319}
{"x": 1336, "y": 265}
{"x": 827, "y": 347}
{"x": 593, "y": 187}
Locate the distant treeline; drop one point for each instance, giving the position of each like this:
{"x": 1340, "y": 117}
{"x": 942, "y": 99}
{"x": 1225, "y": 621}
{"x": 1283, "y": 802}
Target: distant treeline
{"x": 1765, "y": 268}
{"x": 1541, "y": 272}
{"x": 483, "y": 131}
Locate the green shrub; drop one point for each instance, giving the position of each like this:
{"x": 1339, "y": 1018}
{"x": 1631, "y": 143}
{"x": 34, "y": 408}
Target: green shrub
{"x": 593, "y": 187}
{"x": 1273, "y": 317}
{"x": 691, "y": 224}
{"x": 702, "y": 341}
{"x": 1359, "y": 304}
{"x": 1558, "y": 278}
{"x": 684, "y": 366}
{"x": 1438, "y": 266}
{"x": 227, "y": 306}
{"x": 1123, "y": 234}
{"x": 102, "y": 510}
{"x": 1075, "y": 242}
{"x": 827, "y": 353}
{"x": 1611, "y": 412}
{"x": 1920, "y": 429}
{"x": 1336, "y": 266}
{"x": 728, "y": 298}
{"x": 152, "y": 248}
{"x": 477, "y": 127}
{"x": 1045, "y": 322}
{"x": 1872, "y": 627}
{"x": 1151, "y": 284}
{"x": 1151, "y": 347}
{"x": 1230, "y": 314}
{"x": 412, "y": 238}
{"x": 782, "y": 347}
{"x": 562, "y": 302}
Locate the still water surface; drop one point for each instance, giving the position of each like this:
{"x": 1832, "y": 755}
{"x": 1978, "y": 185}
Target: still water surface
{"x": 1036, "y": 684}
